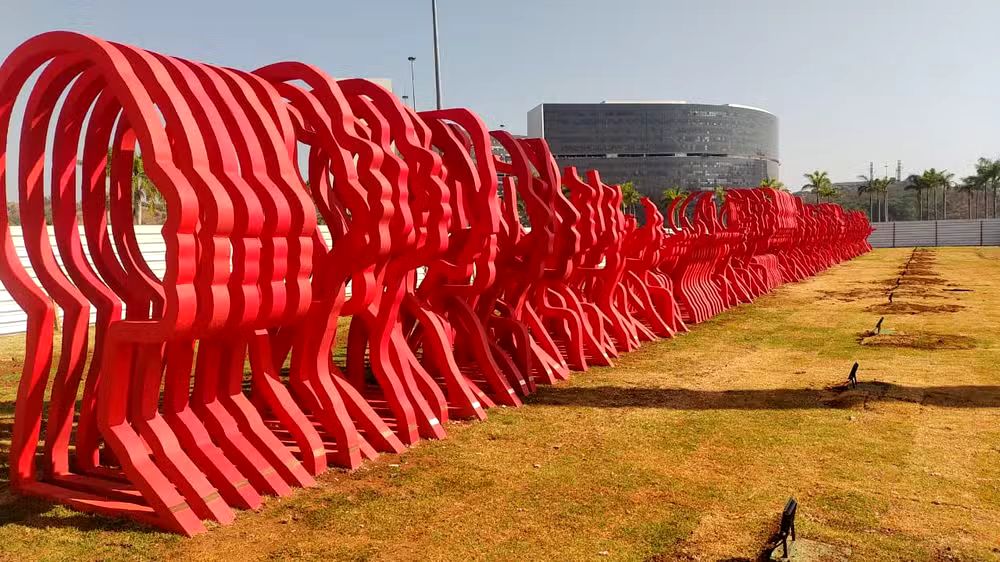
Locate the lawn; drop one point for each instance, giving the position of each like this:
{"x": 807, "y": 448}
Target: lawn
{"x": 686, "y": 450}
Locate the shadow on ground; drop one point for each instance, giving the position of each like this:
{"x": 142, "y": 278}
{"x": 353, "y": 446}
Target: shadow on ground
{"x": 767, "y": 399}
{"x": 35, "y": 513}
{"x": 38, "y": 513}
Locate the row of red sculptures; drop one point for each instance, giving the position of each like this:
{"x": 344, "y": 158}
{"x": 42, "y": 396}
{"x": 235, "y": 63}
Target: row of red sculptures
{"x": 220, "y": 381}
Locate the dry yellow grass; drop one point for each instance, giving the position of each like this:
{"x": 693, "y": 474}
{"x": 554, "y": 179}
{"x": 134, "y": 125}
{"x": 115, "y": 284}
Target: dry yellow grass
{"x": 687, "y": 449}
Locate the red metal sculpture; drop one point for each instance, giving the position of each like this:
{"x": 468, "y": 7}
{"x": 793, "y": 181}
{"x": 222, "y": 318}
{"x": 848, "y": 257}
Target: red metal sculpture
{"x": 468, "y": 275}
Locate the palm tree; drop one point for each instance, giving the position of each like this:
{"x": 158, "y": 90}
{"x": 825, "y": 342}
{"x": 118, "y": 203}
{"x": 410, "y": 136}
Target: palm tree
{"x": 938, "y": 178}
{"x": 917, "y": 184}
{"x": 773, "y": 183}
{"x": 984, "y": 186}
{"x": 143, "y": 190}
{"x": 983, "y": 176}
{"x": 988, "y": 172}
{"x": 817, "y": 180}
{"x": 869, "y": 187}
{"x": 630, "y": 197}
{"x": 991, "y": 174}
{"x": 881, "y": 186}
{"x": 863, "y": 189}
{"x": 669, "y": 194}
{"x": 930, "y": 177}
{"x": 827, "y": 192}
{"x": 945, "y": 181}
{"x": 970, "y": 185}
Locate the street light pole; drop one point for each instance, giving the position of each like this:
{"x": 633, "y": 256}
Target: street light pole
{"x": 437, "y": 55}
{"x": 413, "y": 87}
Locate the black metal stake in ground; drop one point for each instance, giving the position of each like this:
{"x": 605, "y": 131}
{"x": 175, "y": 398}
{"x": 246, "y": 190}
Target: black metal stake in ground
{"x": 788, "y": 524}
{"x": 853, "y": 377}
{"x": 785, "y": 529}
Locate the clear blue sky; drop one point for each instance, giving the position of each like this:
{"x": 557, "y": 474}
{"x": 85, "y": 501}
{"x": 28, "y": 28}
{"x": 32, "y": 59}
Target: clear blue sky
{"x": 850, "y": 80}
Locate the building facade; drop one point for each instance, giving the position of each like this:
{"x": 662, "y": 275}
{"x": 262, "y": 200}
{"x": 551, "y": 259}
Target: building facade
{"x": 660, "y": 145}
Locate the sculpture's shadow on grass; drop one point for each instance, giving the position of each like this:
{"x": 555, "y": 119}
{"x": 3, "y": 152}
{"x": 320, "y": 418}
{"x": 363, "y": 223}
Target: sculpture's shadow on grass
{"x": 38, "y": 513}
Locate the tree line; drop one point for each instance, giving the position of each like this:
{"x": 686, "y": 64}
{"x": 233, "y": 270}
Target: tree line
{"x": 887, "y": 197}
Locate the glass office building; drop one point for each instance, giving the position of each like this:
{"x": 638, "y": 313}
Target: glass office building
{"x": 659, "y": 145}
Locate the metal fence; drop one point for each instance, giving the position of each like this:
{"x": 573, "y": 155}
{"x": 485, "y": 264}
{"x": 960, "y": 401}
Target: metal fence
{"x": 908, "y": 234}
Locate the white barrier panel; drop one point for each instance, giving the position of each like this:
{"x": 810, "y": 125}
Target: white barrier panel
{"x": 13, "y": 319}
{"x": 961, "y": 232}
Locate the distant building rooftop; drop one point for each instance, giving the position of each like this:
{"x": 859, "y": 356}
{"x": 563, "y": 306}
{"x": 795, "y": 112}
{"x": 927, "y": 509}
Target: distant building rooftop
{"x": 644, "y": 101}
{"x": 679, "y": 102}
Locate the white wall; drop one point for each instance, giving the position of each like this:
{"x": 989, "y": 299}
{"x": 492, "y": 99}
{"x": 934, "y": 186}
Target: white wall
{"x": 13, "y": 319}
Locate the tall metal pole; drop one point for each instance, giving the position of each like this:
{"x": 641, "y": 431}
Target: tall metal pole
{"x": 413, "y": 86}
{"x": 437, "y": 55}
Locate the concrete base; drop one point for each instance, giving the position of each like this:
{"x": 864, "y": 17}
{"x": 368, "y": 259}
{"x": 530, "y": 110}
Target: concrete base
{"x": 805, "y": 550}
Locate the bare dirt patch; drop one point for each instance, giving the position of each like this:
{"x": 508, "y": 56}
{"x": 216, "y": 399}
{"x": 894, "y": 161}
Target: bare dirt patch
{"x": 923, "y": 256}
{"x": 919, "y": 291}
{"x": 860, "y": 395}
{"x": 919, "y": 269}
{"x": 913, "y": 308}
{"x": 926, "y": 279}
{"x": 924, "y": 340}
{"x": 852, "y": 295}
{"x": 867, "y": 394}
